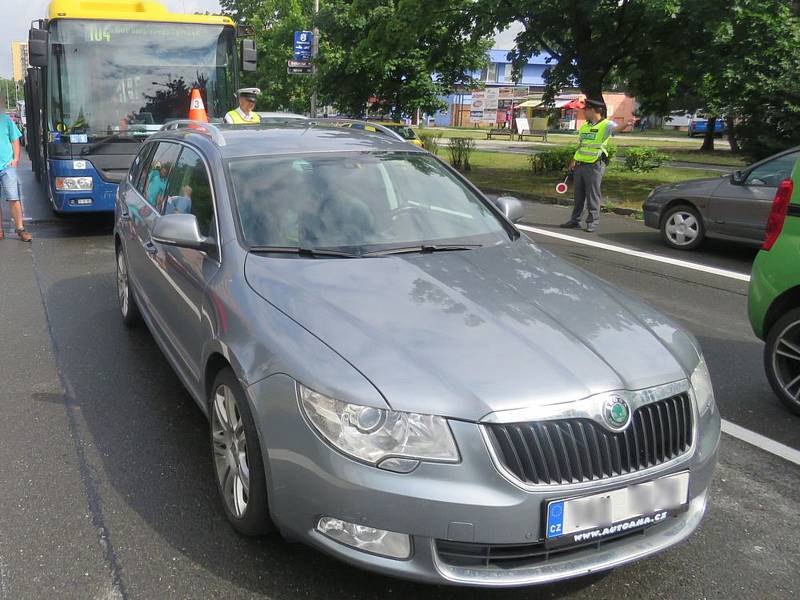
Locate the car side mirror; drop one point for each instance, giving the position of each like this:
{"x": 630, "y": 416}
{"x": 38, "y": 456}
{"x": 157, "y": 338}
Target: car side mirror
{"x": 511, "y": 207}
{"x": 181, "y": 230}
{"x": 738, "y": 177}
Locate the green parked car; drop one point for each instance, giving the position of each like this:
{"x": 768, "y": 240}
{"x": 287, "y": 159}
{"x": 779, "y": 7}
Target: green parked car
{"x": 774, "y": 295}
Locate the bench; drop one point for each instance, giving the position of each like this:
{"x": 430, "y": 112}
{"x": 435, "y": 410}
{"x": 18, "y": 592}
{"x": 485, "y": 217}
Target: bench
{"x": 506, "y": 131}
{"x": 541, "y": 133}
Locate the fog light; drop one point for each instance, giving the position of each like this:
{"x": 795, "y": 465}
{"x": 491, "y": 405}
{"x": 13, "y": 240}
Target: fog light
{"x": 367, "y": 539}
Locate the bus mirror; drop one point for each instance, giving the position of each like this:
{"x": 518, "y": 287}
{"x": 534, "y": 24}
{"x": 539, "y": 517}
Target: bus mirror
{"x": 248, "y": 54}
{"x": 37, "y": 47}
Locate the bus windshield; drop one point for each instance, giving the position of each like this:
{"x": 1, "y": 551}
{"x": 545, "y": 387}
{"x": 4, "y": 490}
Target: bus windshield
{"x": 112, "y": 77}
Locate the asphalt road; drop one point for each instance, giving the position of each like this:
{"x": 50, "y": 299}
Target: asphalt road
{"x": 106, "y": 488}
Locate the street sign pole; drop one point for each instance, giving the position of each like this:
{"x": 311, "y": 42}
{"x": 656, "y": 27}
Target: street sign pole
{"x": 314, "y": 50}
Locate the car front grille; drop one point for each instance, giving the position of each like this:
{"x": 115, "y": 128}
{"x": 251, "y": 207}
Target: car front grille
{"x": 577, "y": 450}
{"x": 513, "y": 556}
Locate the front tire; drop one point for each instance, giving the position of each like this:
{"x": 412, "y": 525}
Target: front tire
{"x": 782, "y": 359}
{"x": 127, "y": 304}
{"x": 236, "y": 457}
{"x": 682, "y": 228}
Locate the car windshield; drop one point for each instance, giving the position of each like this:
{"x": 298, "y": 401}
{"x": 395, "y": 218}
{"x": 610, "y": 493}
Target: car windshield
{"x": 115, "y": 77}
{"x": 358, "y": 202}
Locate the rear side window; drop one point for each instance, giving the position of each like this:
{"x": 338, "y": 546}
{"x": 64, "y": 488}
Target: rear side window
{"x": 189, "y": 191}
{"x": 157, "y": 174}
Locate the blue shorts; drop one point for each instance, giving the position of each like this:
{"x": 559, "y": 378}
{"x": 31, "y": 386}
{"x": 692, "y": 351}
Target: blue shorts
{"x": 10, "y": 190}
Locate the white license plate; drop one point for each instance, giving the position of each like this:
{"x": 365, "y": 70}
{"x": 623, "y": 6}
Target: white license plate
{"x": 592, "y": 518}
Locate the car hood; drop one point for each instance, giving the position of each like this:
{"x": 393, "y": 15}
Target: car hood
{"x": 463, "y": 334}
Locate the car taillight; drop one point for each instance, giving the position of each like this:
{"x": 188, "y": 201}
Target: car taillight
{"x": 780, "y": 205}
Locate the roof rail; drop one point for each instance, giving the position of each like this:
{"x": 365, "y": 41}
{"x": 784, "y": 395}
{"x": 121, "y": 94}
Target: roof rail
{"x": 339, "y": 122}
{"x": 209, "y": 129}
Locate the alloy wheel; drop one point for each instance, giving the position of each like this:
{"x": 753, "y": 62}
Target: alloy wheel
{"x": 230, "y": 451}
{"x": 682, "y": 228}
{"x": 786, "y": 361}
{"x": 123, "y": 290}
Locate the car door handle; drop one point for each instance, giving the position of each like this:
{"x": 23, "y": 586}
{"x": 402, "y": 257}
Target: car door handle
{"x": 151, "y": 248}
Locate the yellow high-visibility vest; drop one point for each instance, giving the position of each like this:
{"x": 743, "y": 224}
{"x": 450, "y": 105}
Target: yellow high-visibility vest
{"x": 593, "y": 141}
{"x": 237, "y": 118}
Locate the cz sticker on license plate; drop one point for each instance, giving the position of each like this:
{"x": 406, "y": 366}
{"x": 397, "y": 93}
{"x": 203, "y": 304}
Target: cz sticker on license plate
{"x": 592, "y": 518}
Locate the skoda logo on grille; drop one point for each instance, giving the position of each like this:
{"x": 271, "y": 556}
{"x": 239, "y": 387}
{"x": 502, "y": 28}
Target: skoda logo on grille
{"x": 616, "y": 412}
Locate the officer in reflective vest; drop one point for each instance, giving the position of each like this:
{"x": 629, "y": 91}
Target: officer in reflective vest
{"x": 244, "y": 114}
{"x": 589, "y": 165}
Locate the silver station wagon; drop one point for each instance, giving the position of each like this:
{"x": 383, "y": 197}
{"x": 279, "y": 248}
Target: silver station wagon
{"x": 396, "y": 376}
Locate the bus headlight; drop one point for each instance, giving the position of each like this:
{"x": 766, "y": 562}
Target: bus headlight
{"x": 74, "y": 184}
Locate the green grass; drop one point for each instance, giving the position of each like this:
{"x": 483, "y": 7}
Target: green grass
{"x": 683, "y": 148}
{"x": 718, "y": 157}
{"x": 510, "y": 173}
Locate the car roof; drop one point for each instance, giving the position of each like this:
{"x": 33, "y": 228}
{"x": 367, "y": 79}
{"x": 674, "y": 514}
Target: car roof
{"x": 280, "y": 115}
{"x": 277, "y": 139}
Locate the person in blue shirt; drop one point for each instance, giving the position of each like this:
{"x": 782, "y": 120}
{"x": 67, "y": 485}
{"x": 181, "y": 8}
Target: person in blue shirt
{"x": 156, "y": 183}
{"x": 9, "y": 182}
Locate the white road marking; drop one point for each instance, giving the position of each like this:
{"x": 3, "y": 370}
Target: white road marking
{"x": 638, "y": 254}
{"x": 760, "y": 441}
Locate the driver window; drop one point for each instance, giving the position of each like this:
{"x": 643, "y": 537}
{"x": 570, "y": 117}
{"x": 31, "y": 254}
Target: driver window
{"x": 772, "y": 172}
{"x": 155, "y": 181}
{"x": 189, "y": 191}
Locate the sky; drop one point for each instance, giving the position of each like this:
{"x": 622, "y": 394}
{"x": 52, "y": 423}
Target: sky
{"x": 17, "y": 16}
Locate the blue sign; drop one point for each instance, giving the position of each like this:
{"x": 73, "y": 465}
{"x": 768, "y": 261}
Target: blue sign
{"x": 303, "y": 41}
{"x": 555, "y": 519}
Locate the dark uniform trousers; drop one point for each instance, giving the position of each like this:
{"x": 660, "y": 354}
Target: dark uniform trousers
{"x": 588, "y": 177}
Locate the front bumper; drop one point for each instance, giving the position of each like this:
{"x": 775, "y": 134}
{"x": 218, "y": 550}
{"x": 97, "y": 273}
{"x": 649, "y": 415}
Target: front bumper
{"x": 99, "y": 199}
{"x": 469, "y": 502}
{"x": 652, "y": 215}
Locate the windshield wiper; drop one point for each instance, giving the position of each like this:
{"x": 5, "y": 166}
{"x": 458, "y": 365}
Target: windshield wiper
{"x": 423, "y": 249}
{"x": 303, "y": 251}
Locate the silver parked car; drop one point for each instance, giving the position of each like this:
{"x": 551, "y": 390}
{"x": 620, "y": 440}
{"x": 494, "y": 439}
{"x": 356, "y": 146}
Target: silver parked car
{"x": 394, "y": 375}
{"x": 733, "y": 207}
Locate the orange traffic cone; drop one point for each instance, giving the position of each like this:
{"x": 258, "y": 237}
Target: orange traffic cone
{"x": 197, "y": 112}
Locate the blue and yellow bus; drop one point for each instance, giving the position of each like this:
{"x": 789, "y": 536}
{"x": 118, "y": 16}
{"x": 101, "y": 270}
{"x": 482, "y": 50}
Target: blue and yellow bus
{"x": 106, "y": 74}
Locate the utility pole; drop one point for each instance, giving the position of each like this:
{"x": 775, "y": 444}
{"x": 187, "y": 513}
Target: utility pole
{"x": 314, "y": 51}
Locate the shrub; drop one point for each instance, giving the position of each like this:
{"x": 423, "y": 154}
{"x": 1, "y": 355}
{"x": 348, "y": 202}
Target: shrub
{"x": 642, "y": 160}
{"x": 430, "y": 141}
{"x": 552, "y": 161}
{"x": 460, "y": 150}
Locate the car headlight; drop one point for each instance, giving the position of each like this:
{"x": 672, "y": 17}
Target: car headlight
{"x": 386, "y": 438}
{"x": 74, "y": 184}
{"x": 703, "y": 391}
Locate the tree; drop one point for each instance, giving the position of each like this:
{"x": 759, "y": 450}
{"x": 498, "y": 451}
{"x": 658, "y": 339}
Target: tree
{"x": 586, "y": 39}
{"x": 402, "y": 55}
{"x": 274, "y": 23}
{"x": 736, "y": 59}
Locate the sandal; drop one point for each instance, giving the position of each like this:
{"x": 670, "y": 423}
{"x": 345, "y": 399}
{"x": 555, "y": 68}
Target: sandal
{"x": 23, "y": 235}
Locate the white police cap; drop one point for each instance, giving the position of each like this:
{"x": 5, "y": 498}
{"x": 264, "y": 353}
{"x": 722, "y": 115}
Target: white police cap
{"x": 250, "y": 91}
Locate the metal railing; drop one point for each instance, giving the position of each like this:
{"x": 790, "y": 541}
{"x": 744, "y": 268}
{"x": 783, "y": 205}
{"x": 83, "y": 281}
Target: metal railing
{"x": 218, "y": 138}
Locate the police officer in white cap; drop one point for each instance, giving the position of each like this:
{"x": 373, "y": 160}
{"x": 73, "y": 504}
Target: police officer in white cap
{"x": 244, "y": 114}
